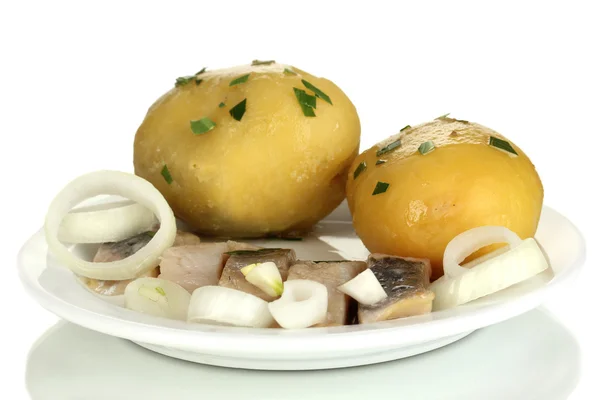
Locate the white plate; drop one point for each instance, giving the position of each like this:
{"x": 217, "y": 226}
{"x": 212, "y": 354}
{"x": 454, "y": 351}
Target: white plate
{"x": 57, "y": 290}
{"x": 538, "y": 359}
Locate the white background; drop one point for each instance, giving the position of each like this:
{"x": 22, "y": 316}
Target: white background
{"x": 76, "y": 80}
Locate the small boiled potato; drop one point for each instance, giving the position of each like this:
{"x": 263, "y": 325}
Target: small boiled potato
{"x": 272, "y": 172}
{"x": 463, "y": 183}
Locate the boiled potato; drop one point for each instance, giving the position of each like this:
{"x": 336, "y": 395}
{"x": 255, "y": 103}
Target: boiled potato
{"x": 460, "y": 183}
{"x": 265, "y": 167}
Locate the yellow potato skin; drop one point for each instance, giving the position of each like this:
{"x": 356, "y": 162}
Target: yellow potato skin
{"x": 274, "y": 172}
{"x": 462, "y": 184}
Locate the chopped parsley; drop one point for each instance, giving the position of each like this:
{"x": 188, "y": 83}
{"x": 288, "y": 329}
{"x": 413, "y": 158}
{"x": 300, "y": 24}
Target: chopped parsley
{"x": 166, "y": 174}
{"x": 502, "y": 145}
{"x": 319, "y": 93}
{"x": 381, "y": 187}
{"x": 307, "y": 102}
{"x": 238, "y": 111}
{"x": 390, "y": 147}
{"x": 362, "y": 167}
{"x": 184, "y": 80}
{"x": 258, "y": 62}
{"x": 202, "y": 125}
{"x": 238, "y": 80}
{"x": 426, "y": 147}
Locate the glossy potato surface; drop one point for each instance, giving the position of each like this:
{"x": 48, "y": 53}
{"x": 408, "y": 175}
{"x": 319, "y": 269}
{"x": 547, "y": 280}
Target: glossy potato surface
{"x": 462, "y": 184}
{"x": 273, "y": 172}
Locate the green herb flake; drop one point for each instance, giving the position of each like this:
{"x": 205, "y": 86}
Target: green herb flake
{"x": 390, "y": 147}
{"x": 443, "y": 116}
{"x": 198, "y": 81}
{"x": 502, "y": 145}
{"x": 463, "y": 121}
{"x": 426, "y": 147}
{"x": 238, "y": 111}
{"x": 362, "y": 167}
{"x": 184, "y": 80}
{"x": 305, "y": 98}
{"x": 238, "y": 80}
{"x": 151, "y": 233}
{"x": 166, "y": 174}
{"x": 405, "y": 128}
{"x": 317, "y": 91}
{"x": 379, "y": 162}
{"x": 289, "y": 71}
{"x": 160, "y": 291}
{"x": 221, "y": 105}
{"x": 307, "y": 102}
{"x": 203, "y": 70}
{"x": 202, "y": 125}
{"x": 381, "y": 187}
{"x": 258, "y": 62}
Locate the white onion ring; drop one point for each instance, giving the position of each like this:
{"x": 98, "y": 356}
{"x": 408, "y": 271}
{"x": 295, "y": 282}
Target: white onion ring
{"x": 113, "y": 183}
{"x": 218, "y": 305}
{"x": 472, "y": 240}
{"x": 302, "y": 304}
{"x": 106, "y": 222}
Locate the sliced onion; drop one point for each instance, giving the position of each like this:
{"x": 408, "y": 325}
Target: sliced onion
{"x": 114, "y": 183}
{"x": 107, "y": 222}
{"x": 219, "y": 305}
{"x": 494, "y": 274}
{"x": 302, "y": 304}
{"x": 265, "y": 276}
{"x": 364, "y": 288}
{"x": 472, "y": 240}
{"x": 158, "y": 297}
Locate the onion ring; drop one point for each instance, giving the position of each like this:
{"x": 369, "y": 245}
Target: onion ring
{"x": 113, "y": 183}
{"x": 472, "y": 240}
{"x": 106, "y": 222}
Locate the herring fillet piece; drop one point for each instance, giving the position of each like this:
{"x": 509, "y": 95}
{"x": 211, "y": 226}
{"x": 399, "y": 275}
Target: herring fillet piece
{"x": 115, "y": 251}
{"x": 331, "y": 274}
{"x": 233, "y": 277}
{"x": 193, "y": 266}
{"x": 405, "y": 281}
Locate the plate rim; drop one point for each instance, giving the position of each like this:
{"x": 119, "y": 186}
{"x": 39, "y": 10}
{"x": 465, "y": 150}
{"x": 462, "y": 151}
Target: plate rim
{"x": 297, "y": 343}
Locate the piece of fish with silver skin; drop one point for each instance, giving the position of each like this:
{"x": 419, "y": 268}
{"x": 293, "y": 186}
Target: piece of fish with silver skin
{"x": 193, "y": 266}
{"x": 233, "y": 277}
{"x": 197, "y": 265}
{"x": 115, "y": 251}
{"x": 331, "y": 274}
{"x": 405, "y": 281}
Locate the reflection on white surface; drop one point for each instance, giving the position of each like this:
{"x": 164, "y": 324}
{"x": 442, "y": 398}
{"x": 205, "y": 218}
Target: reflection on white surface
{"x": 530, "y": 357}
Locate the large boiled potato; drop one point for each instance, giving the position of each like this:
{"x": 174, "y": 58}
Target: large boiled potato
{"x": 273, "y": 171}
{"x": 463, "y": 183}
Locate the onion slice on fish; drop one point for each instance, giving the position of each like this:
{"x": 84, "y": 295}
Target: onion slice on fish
{"x": 472, "y": 240}
{"x": 218, "y": 305}
{"x": 302, "y": 304}
{"x": 158, "y": 297}
{"x": 265, "y": 276}
{"x": 112, "y": 183}
{"x": 490, "y": 275}
{"x": 364, "y": 288}
{"x": 107, "y": 222}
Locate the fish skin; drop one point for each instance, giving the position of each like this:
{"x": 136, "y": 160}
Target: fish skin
{"x": 233, "y": 277}
{"x": 405, "y": 281}
{"x": 331, "y": 274}
{"x": 116, "y": 251}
